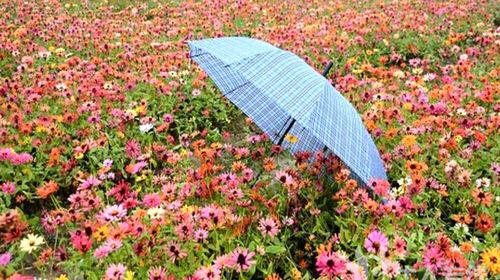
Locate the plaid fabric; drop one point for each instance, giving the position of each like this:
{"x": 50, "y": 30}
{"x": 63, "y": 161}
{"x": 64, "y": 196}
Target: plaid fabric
{"x": 273, "y": 87}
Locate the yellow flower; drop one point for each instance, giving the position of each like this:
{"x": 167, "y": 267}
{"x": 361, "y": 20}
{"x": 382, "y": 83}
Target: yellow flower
{"x": 140, "y": 178}
{"x": 357, "y": 71}
{"x": 129, "y": 275}
{"x": 369, "y": 52}
{"x": 41, "y": 128}
{"x": 62, "y": 277}
{"x": 140, "y": 109}
{"x": 491, "y": 259}
{"x": 51, "y": 48}
{"x": 398, "y": 74}
{"x": 291, "y": 138}
{"x": 296, "y": 274}
{"x": 407, "y": 106}
{"x": 31, "y": 243}
{"x": 78, "y": 155}
{"x": 417, "y": 71}
{"x": 101, "y": 233}
{"x": 409, "y": 140}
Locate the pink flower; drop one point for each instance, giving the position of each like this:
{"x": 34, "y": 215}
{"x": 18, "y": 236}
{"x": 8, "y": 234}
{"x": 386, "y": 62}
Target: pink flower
{"x": 133, "y": 149}
{"x": 8, "y": 187}
{"x": 113, "y": 213}
{"x": 376, "y": 242}
{"x": 151, "y": 200}
{"x": 241, "y": 259}
{"x": 115, "y": 271}
{"x": 390, "y": 268}
{"x": 81, "y": 241}
{"x": 102, "y": 252}
{"x": 174, "y": 251}
{"x": 284, "y": 178}
{"x": 157, "y": 273}
{"x": 268, "y": 227}
{"x": 208, "y": 273}
{"x": 380, "y": 187}
{"x": 331, "y": 264}
{"x": 433, "y": 259}
{"x": 400, "y": 246}
{"x": 200, "y": 235}
{"x": 196, "y": 92}
{"x": 5, "y": 258}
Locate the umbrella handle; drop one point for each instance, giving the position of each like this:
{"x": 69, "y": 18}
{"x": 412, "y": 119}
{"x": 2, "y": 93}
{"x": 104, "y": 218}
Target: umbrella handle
{"x": 327, "y": 69}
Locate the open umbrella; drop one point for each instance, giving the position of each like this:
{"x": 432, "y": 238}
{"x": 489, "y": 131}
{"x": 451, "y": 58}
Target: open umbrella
{"x": 284, "y": 96}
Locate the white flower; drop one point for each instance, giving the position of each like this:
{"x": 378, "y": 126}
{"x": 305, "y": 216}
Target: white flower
{"x": 31, "y": 243}
{"x": 461, "y": 112}
{"x": 145, "y": 127}
{"x": 61, "y": 86}
{"x": 156, "y": 212}
{"x": 483, "y": 182}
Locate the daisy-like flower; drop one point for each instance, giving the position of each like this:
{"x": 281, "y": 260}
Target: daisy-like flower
{"x": 174, "y": 251}
{"x": 5, "y": 258}
{"x": 268, "y": 227}
{"x": 241, "y": 259}
{"x": 208, "y": 273}
{"x": 31, "y": 243}
{"x": 376, "y": 242}
{"x": 433, "y": 259}
{"x": 144, "y": 128}
{"x": 114, "y": 213}
{"x": 491, "y": 259}
{"x": 8, "y": 187}
{"x": 156, "y": 212}
{"x": 200, "y": 235}
{"x": 331, "y": 264}
{"x": 157, "y": 273}
{"x": 390, "y": 268}
{"x": 115, "y": 271}
{"x": 284, "y": 178}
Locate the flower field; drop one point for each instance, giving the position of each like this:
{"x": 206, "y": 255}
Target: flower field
{"x": 121, "y": 159}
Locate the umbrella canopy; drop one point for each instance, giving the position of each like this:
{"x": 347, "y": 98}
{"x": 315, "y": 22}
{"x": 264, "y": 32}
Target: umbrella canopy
{"x": 285, "y": 96}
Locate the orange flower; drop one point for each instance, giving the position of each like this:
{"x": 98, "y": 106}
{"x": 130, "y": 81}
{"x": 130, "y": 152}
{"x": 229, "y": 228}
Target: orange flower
{"x": 273, "y": 276}
{"x": 269, "y": 164}
{"x": 463, "y": 219}
{"x": 482, "y": 197}
{"x": 484, "y": 223}
{"x": 466, "y": 247}
{"x": 47, "y": 189}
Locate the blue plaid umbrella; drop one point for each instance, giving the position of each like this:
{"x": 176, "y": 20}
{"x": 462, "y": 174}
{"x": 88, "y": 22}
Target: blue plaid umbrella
{"x": 285, "y": 96}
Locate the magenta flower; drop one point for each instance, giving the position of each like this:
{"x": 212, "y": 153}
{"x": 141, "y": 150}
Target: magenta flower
{"x": 5, "y": 258}
{"x": 8, "y": 187}
{"x": 433, "y": 259}
{"x": 331, "y": 264}
{"x": 241, "y": 259}
{"x": 151, "y": 200}
{"x": 376, "y": 242}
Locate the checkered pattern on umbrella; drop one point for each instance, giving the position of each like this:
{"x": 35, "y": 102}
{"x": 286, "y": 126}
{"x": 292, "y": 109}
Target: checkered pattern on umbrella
{"x": 274, "y": 87}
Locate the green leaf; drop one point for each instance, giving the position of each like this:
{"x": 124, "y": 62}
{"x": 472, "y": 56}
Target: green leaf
{"x": 275, "y": 249}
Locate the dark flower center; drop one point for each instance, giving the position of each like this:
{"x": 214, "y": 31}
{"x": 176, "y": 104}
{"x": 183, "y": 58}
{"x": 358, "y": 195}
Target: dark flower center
{"x": 242, "y": 260}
